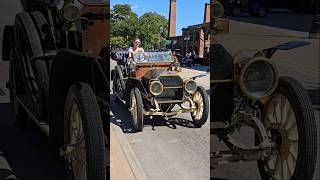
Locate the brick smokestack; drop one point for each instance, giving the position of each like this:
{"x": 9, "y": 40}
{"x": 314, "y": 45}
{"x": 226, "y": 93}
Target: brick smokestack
{"x": 172, "y": 18}
{"x": 206, "y": 18}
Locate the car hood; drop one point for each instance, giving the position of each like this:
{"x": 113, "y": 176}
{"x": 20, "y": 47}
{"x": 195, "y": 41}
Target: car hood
{"x": 156, "y": 73}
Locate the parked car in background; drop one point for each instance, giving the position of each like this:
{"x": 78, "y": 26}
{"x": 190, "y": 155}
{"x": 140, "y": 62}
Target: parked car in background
{"x": 236, "y": 8}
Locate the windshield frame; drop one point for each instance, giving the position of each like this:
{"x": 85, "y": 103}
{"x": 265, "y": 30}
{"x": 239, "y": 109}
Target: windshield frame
{"x": 146, "y": 62}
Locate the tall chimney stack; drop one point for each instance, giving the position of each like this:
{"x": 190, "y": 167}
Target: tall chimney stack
{"x": 172, "y": 18}
{"x": 206, "y": 13}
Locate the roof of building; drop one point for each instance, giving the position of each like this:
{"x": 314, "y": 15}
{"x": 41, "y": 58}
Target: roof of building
{"x": 197, "y": 25}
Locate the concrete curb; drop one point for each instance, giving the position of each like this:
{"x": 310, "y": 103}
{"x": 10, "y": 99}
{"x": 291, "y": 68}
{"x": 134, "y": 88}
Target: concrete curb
{"x": 5, "y": 169}
{"x": 129, "y": 154}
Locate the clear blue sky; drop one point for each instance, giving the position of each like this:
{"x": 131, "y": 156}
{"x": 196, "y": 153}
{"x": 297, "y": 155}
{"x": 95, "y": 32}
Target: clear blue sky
{"x": 189, "y": 12}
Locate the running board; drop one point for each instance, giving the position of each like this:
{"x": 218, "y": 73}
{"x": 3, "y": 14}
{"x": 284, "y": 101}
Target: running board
{"x": 43, "y": 126}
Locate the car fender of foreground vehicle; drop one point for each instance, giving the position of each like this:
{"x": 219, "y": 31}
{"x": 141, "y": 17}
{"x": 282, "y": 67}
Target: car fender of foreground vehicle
{"x": 246, "y": 90}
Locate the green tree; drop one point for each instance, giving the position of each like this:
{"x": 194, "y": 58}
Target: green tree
{"x": 152, "y": 30}
{"x": 118, "y": 41}
{"x": 121, "y": 12}
{"x": 125, "y": 26}
{"x": 124, "y": 23}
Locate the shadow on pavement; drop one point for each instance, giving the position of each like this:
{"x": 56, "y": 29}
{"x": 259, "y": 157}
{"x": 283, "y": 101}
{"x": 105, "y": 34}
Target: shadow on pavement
{"x": 281, "y": 18}
{"x": 183, "y": 122}
{"x": 30, "y": 153}
{"x": 122, "y": 118}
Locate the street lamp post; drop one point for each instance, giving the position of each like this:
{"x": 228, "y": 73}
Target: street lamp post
{"x": 186, "y": 38}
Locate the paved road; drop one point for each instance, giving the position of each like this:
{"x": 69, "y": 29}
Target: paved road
{"x": 301, "y": 63}
{"x": 178, "y": 151}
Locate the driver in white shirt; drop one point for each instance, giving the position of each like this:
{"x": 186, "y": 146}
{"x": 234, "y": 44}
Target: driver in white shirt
{"x": 136, "y": 47}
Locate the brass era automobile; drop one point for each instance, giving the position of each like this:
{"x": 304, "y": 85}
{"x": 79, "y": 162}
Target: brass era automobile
{"x": 246, "y": 90}
{"x": 148, "y": 85}
{"x": 59, "y": 79}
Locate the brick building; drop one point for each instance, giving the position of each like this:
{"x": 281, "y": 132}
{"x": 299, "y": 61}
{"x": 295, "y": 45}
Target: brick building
{"x": 194, "y": 38}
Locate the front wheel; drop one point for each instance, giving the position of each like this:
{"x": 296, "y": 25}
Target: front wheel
{"x": 118, "y": 83}
{"x": 84, "y": 137}
{"x": 290, "y": 123}
{"x": 201, "y": 101}
{"x": 136, "y": 109}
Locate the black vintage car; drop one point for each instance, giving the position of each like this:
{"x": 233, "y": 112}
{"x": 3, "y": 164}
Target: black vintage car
{"x": 148, "y": 85}
{"x": 59, "y": 79}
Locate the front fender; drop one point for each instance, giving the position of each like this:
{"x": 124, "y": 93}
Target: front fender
{"x": 131, "y": 83}
{"x": 69, "y": 67}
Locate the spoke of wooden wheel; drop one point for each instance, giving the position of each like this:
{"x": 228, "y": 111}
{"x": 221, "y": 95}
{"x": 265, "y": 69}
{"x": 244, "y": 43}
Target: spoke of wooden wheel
{"x": 293, "y": 151}
{"x": 289, "y": 118}
{"x": 291, "y": 163}
{"x": 293, "y": 132}
{"x": 288, "y": 166}
{"x": 277, "y": 168}
{"x": 285, "y": 109}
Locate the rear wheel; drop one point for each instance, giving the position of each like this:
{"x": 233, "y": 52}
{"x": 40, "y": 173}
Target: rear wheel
{"x": 84, "y": 135}
{"x": 35, "y": 72}
{"x": 290, "y": 123}
{"x": 136, "y": 109}
{"x": 118, "y": 83}
{"x": 19, "y": 115}
{"x": 200, "y": 99}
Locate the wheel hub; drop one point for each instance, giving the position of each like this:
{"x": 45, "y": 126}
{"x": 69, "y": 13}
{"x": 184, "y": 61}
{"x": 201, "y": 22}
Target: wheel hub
{"x": 276, "y": 137}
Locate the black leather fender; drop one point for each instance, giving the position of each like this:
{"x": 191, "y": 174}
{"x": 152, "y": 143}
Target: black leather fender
{"x": 69, "y": 67}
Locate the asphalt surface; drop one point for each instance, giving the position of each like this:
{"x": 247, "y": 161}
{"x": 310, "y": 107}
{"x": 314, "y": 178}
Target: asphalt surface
{"x": 175, "y": 149}
{"x": 301, "y": 63}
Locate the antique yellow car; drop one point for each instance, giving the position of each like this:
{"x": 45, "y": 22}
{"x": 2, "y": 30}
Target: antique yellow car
{"x": 148, "y": 85}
